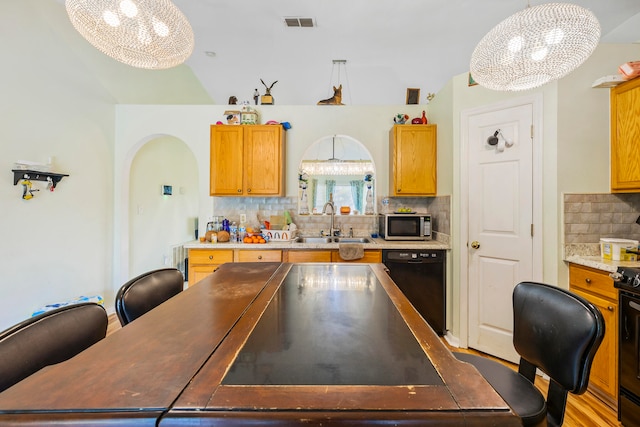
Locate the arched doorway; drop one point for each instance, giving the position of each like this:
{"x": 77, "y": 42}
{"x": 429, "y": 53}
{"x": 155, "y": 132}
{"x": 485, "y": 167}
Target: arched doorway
{"x": 158, "y": 221}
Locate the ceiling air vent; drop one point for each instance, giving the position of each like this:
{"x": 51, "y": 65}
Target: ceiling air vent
{"x": 299, "y": 22}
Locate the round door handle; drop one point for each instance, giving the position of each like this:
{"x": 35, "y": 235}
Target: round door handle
{"x": 475, "y": 244}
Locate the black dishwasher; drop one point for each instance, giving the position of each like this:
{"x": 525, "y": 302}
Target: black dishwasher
{"x": 420, "y": 275}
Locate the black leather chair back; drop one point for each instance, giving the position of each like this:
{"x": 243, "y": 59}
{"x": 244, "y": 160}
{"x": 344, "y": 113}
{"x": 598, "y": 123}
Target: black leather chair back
{"x": 147, "y": 291}
{"x": 556, "y": 331}
{"x": 559, "y": 333}
{"x": 49, "y": 338}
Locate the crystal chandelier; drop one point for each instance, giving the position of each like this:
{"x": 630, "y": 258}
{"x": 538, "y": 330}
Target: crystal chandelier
{"x": 535, "y": 46}
{"x": 152, "y": 34}
{"x": 336, "y": 167}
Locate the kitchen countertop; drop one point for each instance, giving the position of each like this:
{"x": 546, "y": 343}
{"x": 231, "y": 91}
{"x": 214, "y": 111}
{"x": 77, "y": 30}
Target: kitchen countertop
{"x": 601, "y": 264}
{"x": 378, "y": 243}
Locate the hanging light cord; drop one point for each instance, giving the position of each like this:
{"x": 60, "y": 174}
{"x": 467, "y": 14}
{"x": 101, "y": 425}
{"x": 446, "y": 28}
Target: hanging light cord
{"x": 339, "y": 63}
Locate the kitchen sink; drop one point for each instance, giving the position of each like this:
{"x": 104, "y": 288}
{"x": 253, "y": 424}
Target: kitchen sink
{"x": 352, "y": 240}
{"x": 332, "y": 240}
{"x": 313, "y": 240}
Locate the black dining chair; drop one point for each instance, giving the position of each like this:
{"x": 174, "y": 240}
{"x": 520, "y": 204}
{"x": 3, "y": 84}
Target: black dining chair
{"x": 49, "y": 338}
{"x": 556, "y": 332}
{"x": 147, "y": 291}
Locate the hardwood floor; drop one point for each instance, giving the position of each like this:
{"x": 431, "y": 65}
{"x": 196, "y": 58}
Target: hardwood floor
{"x": 582, "y": 411}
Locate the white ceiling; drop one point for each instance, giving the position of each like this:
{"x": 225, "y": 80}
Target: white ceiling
{"x": 389, "y": 45}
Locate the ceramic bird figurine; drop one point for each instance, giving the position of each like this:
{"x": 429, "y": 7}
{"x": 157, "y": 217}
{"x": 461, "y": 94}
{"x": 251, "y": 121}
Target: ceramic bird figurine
{"x": 268, "y": 88}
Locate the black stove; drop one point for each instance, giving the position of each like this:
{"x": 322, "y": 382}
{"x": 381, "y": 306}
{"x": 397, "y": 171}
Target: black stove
{"x": 627, "y": 280}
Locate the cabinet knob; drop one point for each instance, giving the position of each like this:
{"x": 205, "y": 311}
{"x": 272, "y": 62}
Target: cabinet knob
{"x": 610, "y": 308}
{"x": 249, "y": 190}
{"x": 239, "y": 190}
{"x": 588, "y": 281}
{"x": 210, "y": 256}
{"x": 259, "y": 256}
{"x": 399, "y": 190}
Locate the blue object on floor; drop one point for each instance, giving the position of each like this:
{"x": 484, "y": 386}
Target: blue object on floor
{"x": 94, "y": 298}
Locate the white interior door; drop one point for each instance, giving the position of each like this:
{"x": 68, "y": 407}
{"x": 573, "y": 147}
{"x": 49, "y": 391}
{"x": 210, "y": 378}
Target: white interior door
{"x": 500, "y": 223}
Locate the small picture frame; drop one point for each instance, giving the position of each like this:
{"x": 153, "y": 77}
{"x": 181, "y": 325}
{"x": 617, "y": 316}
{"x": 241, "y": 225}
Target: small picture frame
{"x": 167, "y": 190}
{"x": 471, "y": 81}
{"x": 413, "y": 96}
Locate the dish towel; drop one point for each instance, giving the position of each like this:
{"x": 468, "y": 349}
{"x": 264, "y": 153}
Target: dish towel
{"x": 351, "y": 251}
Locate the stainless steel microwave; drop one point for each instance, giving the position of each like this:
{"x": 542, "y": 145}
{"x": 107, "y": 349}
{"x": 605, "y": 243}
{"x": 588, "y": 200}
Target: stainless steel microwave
{"x": 404, "y": 226}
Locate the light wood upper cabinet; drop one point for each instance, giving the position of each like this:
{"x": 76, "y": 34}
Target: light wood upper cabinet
{"x": 625, "y": 137}
{"x": 413, "y": 160}
{"x": 247, "y": 160}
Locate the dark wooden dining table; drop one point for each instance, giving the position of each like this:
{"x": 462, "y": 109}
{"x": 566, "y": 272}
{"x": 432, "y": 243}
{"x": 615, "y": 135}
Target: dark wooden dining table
{"x": 268, "y": 344}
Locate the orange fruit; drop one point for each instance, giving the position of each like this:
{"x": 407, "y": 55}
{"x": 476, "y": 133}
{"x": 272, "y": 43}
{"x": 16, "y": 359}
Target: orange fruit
{"x": 247, "y": 240}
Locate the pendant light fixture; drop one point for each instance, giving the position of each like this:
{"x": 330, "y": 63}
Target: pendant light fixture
{"x": 336, "y": 166}
{"x": 151, "y": 34}
{"x": 535, "y": 46}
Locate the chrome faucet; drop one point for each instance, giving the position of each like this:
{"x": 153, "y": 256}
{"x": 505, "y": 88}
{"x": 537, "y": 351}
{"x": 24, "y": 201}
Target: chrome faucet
{"x": 332, "y": 230}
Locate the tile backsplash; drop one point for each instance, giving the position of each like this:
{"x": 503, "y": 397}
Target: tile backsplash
{"x": 257, "y": 209}
{"x": 588, "y": 217}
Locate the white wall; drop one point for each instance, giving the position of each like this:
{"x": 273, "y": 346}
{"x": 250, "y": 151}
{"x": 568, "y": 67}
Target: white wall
{"x": 58, "y": 97}
{"x": 158, "y": 221}
{"x": 136, "y": 124}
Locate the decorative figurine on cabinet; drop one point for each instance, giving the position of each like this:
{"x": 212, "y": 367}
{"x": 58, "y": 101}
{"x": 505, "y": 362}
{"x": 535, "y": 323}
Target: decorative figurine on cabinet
{"x": 267, "y": 99}
{"x": 336, "y": 99}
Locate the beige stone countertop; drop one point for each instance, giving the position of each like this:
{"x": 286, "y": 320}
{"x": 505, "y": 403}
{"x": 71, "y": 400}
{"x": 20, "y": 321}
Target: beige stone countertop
{"x": 599, "y": 263}
{"x": 377, "y": 243}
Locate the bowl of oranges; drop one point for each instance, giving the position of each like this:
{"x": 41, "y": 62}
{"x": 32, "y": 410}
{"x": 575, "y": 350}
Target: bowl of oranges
{"x": 254, "y": 237}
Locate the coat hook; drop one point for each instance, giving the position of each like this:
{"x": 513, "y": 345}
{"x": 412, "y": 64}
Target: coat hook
{"x": 493, "y": 139}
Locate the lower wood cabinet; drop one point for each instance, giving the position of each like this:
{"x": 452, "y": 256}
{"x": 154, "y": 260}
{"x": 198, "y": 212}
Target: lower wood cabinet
{"x": 371, "y": 255}
{"x": 317, "y": 255}
{"x": 597, "y": 287}
{"x": 203, "y": 262}
{"x": 258, "y": 255}
{"x": 331, "y": 255}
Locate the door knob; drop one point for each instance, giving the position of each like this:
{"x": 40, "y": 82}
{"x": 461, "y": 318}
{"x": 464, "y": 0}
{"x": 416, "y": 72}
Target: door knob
{"x": 475, "y": 244}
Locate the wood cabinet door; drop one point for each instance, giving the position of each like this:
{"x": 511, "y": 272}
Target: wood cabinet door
{"x": 370, "y": 256}
{"x": 309, "y": 256}
{"x": 203, "y": 262}
{"x": 199, "y": 272}
{"x": 226, "y": 160}
{"x": 625, "y": 137}
{"x": 413, "y": 159}
{"x": 253, "y": 255}
{"x": 263, "y": 160}
{"x": 604, "y": 370}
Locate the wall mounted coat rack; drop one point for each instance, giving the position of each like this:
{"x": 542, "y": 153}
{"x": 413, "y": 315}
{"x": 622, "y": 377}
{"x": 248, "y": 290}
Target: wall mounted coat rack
{"x": 27, "y": 174}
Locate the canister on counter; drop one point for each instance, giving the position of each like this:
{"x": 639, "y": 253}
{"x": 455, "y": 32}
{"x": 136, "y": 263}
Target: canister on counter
{"x": 616, "y": 249}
